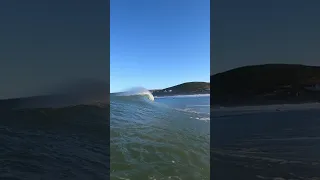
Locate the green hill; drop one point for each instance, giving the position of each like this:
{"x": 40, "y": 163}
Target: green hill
{"x": 265, "y": 83}
{"x": 184, "y": 89}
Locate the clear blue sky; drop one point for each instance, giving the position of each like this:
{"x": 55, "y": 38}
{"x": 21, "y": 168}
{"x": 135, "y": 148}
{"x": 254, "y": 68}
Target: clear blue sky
{"x": 158, "y": 43}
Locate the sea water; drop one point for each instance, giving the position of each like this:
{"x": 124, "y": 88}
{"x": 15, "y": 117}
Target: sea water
{"x": 167, "y": 138}
{"x": 55, "y": 143}
{"x": 276, "y": 142}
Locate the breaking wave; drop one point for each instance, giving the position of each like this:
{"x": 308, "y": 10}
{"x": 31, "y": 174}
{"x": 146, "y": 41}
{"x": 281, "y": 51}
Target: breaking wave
{"x": 135, "y": 93}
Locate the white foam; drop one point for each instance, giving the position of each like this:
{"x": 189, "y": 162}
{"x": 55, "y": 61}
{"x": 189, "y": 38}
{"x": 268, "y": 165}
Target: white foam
{"x": 148, "y": 94}
{"x": 201, "y": 119}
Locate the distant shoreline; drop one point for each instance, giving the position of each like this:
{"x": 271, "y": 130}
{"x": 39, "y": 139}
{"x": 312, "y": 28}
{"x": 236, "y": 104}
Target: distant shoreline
{"x": 188, "y": 88}
{"x": 184, "y": 95}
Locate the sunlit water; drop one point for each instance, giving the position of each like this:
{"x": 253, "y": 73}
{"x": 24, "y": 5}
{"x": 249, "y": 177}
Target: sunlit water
{"x": 163, "y": 139}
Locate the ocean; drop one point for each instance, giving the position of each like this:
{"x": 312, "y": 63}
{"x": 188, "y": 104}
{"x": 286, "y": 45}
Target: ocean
{"x": 168, "y": 138}
{"x": 55, "y": 143}
{"x": 276, "y": 142}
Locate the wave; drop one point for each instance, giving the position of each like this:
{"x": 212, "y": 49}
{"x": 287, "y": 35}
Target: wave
{"x": 140, "y": 104}
{"x": 135, "y": 93}
{"x": 88, "y": 93}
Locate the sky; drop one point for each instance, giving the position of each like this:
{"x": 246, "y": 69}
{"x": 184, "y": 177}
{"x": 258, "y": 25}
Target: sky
{"x": 250, "y": 32}
{"x": 48, "y": 42}
{"x": 153, "y": 43}
{"x": 158, "y": 43}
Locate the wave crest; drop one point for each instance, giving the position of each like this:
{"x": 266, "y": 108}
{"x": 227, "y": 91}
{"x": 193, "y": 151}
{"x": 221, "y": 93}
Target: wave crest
{"x": 138, "y": 91}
